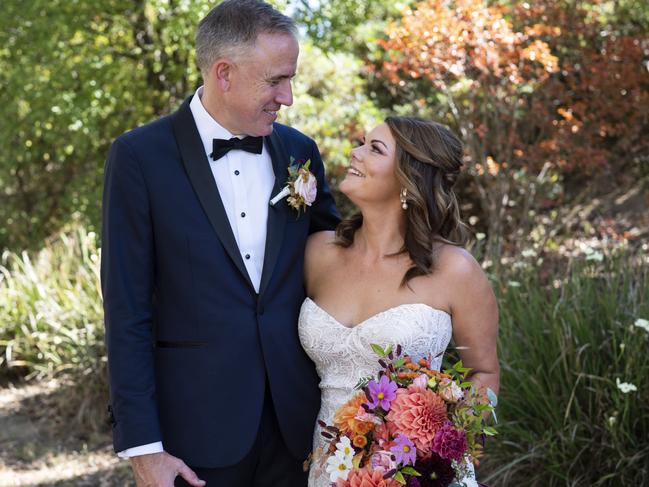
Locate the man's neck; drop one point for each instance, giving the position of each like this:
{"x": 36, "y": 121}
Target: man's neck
{"x": 214, "y": 106}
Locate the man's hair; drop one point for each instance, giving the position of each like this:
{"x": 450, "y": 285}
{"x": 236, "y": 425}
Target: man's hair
{"x": 234, "y": 25}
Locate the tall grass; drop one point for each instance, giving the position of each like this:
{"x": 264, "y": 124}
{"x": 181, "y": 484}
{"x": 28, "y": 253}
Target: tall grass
{"x": 51, "y": 321}
{"x": 564, "y": 346}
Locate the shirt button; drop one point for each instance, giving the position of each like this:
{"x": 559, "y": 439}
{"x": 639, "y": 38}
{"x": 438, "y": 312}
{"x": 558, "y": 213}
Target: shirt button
{"x": 243, "y": 214}
{"x": 236, "y": 173}
{"x": 247, "y": 256}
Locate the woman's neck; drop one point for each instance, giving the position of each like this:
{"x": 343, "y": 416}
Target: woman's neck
{"x": 381, "y": 234}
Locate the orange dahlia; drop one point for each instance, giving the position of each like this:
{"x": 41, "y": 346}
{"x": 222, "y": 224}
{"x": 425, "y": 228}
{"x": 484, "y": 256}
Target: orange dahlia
{"x": 366, "y": 478}
{"x": 345, "y": 417}
{"x": 418, "y": 414}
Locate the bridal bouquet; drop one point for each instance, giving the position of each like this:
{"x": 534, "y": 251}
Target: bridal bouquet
{"x": 410, "y": 425}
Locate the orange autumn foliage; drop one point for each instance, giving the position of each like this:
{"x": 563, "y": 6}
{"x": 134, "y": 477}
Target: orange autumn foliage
{"x": 537, "y": 91}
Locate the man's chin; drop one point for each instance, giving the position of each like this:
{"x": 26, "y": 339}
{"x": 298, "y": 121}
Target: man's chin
{"x": 266, "y": 130}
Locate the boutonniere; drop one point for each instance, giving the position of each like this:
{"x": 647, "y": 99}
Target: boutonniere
{"x": 301, "y": 188}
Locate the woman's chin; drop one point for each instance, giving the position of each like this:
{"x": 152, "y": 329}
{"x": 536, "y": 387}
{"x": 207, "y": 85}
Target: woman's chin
{"x": 346, "y": 186}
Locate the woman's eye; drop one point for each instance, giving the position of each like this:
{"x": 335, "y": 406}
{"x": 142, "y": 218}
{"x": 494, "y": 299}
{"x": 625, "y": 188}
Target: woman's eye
{"x": 376, "y": 149}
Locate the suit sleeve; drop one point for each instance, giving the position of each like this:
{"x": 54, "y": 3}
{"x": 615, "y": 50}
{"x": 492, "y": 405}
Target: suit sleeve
{"x": 324, "y": 214}
{"x": 127, "y": 274}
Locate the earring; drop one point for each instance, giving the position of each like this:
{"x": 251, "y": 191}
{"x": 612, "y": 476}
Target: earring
{"x": 402, "y": 198}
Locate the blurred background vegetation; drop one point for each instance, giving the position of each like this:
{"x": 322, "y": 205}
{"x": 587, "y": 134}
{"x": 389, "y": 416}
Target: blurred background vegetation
{"x": 552, "y": 101}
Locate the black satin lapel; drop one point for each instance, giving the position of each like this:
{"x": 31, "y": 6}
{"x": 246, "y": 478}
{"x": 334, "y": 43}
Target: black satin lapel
{"x": 202, "y": 179}
{"x": 276, "y": 214}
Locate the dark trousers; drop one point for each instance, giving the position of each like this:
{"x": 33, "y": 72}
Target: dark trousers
{"x": 268, "y": 464}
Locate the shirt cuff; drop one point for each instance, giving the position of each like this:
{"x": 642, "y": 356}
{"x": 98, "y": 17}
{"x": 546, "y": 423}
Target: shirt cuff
{"x": 141, "y": 450}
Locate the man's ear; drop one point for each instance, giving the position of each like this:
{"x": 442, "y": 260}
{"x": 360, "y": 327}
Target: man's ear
{"x": 222, "y": 73}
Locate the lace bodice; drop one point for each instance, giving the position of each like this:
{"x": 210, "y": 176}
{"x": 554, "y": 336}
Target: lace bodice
{"x": 343, "y": 355}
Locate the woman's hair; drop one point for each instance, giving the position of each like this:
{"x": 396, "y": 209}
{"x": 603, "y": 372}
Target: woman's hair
{"x": 428, "y": 161}
{"x": 233, "y": 26}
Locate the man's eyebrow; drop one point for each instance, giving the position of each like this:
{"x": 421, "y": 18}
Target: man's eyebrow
{"x": 283, "y": 76}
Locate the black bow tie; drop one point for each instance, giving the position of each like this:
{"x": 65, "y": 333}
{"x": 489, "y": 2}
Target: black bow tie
{"x": 221, "y": 147}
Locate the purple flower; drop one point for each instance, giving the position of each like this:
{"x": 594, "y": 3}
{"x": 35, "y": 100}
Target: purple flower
{"x": 449, "y": 443}
{"x": 404, "y": 450}
{"x": 382, "y": 393}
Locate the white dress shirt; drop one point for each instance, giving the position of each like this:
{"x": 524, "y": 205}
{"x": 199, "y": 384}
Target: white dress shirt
{"x": 245, "y": 182}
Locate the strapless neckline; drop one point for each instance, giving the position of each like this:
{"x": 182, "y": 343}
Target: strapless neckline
{"x": 374, "y": 316}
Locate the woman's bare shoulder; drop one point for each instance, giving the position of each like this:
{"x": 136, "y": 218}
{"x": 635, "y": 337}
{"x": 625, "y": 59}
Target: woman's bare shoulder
{"x": 320, "y": 247}
{"x": 320, "y": 241}
{"x": 455, "y": 261}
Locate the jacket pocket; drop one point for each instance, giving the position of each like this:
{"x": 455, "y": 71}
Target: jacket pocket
{"x": 179, "y": 344}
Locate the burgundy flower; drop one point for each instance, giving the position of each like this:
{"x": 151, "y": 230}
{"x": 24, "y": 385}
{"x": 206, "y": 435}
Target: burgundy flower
{"x": 449, "y": 443}
{"x": 413, "y": 482}
{"x": 435, "y": 472}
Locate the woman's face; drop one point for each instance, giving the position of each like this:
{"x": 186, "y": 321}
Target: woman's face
{"x": 371, "y": 173}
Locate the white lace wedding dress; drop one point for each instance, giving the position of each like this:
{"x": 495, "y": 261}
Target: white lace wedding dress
{"x": 343, "y": 355}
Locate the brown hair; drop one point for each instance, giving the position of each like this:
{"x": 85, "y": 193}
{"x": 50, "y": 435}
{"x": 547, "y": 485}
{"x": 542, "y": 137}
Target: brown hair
{"x": 428, "y": 161}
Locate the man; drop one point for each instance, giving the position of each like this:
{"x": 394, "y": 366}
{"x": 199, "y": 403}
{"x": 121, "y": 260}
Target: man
{"x": 202, "y": 278}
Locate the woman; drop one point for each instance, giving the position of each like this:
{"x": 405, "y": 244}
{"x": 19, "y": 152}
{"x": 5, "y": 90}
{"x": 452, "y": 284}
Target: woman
{"x": 396, "y": 273}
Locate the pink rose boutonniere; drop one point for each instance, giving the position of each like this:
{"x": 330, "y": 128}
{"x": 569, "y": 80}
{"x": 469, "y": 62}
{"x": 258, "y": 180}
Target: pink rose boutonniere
{"x": 301, "y": 188}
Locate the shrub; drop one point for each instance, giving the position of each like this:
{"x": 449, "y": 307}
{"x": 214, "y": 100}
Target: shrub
{"x": 52, "y": 322}
{"x": 565, "y": 346}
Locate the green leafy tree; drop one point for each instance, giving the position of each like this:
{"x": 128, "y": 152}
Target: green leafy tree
{"x": 74, "y": 75}
{"x": 346, "y": 25}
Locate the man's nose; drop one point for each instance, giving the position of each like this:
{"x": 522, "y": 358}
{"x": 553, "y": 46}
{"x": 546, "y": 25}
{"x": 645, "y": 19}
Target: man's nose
{"x": 285, "y": 94}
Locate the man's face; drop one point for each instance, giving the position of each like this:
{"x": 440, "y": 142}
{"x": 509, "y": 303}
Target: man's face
{"x": 260, "y": 83}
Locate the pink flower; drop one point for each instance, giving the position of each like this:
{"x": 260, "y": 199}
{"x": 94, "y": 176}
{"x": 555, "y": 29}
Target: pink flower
{"x": 366, "y": 417}
{"x": 449, "y": 443}
{"x": 381, "y": 435}
{"x": 420, "y": 383}
{"x": 382, "y": 459}
{"x": 306, "y": 186}
{"x": 450, "y": 391}
{"x": 418, "y": 415}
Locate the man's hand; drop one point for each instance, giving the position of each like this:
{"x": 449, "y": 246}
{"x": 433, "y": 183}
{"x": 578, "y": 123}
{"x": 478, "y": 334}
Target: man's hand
{"x": 161, "y": 469}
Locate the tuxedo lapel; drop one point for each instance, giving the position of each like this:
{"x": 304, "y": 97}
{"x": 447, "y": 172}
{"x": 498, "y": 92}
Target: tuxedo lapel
{"x": 201, "y": 177}
{"x": 276, "y": 214}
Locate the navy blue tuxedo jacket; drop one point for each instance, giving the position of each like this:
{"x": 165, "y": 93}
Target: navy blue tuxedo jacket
{"x": 190, "y": 343}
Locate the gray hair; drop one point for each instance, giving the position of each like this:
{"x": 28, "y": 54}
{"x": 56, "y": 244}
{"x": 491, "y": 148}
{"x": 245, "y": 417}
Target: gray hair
{"x": 233, "y": 26}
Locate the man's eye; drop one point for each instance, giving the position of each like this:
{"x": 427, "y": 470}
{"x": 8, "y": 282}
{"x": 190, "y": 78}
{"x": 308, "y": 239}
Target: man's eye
{"x": 273, "y": 82}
